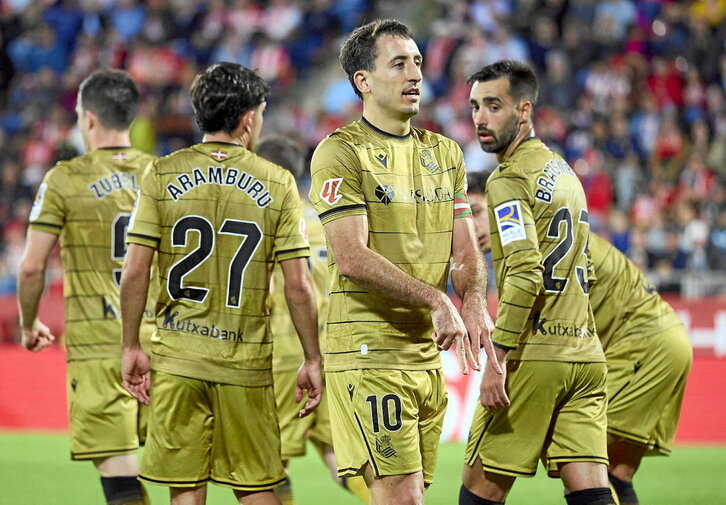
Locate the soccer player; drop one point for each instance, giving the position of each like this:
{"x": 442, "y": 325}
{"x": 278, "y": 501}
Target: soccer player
{"x": 287, "y": 353}
{"x": 392, "y": 200}
{"x": 87, "y": 202}
{"x": 647, "y": 350}
{"x": 220, "y": 217}
{"x": 551, "y": 400}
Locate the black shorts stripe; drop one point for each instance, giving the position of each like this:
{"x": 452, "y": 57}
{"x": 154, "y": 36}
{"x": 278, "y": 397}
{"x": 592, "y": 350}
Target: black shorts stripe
{"x": 248, "y": 486}
{"x": 500, "y": 470}
{"x": 368, "y": 448}
{"x": 475, "y": 454}
{"x": 572, "y": 458}
{"x": 173, "y": 483}
{"x": 627, "y": 434}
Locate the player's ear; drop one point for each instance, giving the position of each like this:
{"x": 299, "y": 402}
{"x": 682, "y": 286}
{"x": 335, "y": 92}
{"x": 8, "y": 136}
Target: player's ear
{"x": 360, "y": 78}
{"x": 525, "y": 106}
{"x": 246, "y": 121}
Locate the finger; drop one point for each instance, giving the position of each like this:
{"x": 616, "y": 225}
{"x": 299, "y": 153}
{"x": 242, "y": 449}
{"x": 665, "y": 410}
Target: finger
{"x": 298, "y": 394}
{"x": 313, "y": 401}
{"x": 438, "y": 339}
{"x": 491, "y": 355}
{"x": 447, "y": 342}
{"x": 461, "y": 355}
{"x": 471, "y": 356}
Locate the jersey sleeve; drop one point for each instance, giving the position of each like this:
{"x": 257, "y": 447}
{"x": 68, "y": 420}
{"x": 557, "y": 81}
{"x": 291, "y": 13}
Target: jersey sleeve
{"x": 510, "y": 213}
{"x": 462, "y": 207}
{"x": 144, "y": 227}
{"x": 335, "y": 189}
{"x": 49, "y": 212}
{"x": 291, "y": 239}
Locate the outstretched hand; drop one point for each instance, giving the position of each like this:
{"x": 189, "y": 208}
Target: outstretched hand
{"x": 135, "y": 371}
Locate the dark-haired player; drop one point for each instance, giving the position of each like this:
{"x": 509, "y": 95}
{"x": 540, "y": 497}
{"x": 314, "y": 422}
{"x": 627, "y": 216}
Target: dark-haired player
{"x": 87, "y": 203}
{"x": 647, "y": 350}
{"x": 392, "y": 200}
{"x": 220, "y": 216}
{"x": 551, "y": 401}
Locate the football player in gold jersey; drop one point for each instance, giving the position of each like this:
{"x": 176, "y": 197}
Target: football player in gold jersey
{"x": 392, "y": 200}
{"x": 551, "y": 402}
{"x": 220, "y": 216}
{"x": 287, "y": 353}
{"x": 87, "y": 202}
{"x": 647, "y": 350}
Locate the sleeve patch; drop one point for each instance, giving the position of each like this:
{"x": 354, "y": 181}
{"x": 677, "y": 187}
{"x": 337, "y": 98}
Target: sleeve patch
{"x": 462, "y": 208}
{"x": 329, "y": 191}
{"x": 509, "y": 222}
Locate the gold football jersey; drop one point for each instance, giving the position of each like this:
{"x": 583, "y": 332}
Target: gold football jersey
{"x": 625, "y": 303}
{"x": 539, "y": 230}
{"x": 287, "y": 353}
{"x": 407, "y": 187}
{"x": 219, "y": 216}
{"x": 87, "y": 202}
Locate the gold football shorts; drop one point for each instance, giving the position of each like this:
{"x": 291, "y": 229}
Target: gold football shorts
{"x": 202, "y": 431}
{"x": 105, "y": 420}
{"x": 557, "y": 413}
{"x": 646, "y": 382}
{"x": 294, "y": 431}
{"x": 390, "y": 419}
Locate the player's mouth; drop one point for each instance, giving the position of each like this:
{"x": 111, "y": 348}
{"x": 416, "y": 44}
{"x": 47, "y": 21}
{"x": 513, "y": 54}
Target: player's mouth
{"x": 484, "y": 136}
{"x": 413, "y": 93}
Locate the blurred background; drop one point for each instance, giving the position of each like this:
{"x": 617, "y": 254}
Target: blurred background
{"x": 633, "y": 94}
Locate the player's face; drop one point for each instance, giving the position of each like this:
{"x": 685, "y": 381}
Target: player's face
{"x": 480, "y": 215}
{"x": 495, "y": 114}
{"x": 394, "y": 84}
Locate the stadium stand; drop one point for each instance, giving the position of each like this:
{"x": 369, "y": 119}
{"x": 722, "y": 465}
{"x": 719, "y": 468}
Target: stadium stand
{"x": 633, "y": 94}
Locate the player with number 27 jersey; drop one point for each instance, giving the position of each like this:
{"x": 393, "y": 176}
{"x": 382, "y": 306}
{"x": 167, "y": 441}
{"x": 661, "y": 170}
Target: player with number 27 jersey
{"x": 539, "y": 221}
{"x": 88, "y": 201}
{"x": 250, "y": 216}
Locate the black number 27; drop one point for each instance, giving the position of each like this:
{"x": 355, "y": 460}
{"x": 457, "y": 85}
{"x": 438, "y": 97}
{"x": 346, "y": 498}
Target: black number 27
{"x": 179, "y": 236}
{"x": 554, "y": 284}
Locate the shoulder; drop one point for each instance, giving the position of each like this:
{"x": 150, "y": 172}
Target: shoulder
{"x": 71, "y": 167}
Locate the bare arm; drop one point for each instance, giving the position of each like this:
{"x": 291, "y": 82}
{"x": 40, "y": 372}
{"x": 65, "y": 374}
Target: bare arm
{"x": 31, "y": 282}
{"x": 469, "y": 278}
{"x": 300, "y": 299}
{"x": 134, "y": 292}
{"x": 348, "y": 239}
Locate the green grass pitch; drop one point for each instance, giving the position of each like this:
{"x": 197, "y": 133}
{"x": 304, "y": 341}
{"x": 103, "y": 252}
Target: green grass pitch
{"x": 35, "y": 470}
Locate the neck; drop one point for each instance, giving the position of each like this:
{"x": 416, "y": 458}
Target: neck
{"x": 226, "y": 137}
{"x": 394, "y": 125}
{"x": 522, "y": 135}
{"x": 109, "y": 138}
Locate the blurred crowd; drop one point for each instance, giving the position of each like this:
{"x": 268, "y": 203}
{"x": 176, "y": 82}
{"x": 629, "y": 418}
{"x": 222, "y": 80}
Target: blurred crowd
{"x": 633, "y": 94}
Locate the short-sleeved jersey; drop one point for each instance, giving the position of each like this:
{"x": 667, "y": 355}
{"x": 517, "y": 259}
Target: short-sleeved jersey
{"x": 87, "y": 202}
{"x": 539, "y": 222}
{"x": 288, "y": 353}
{"x": 407, "y": 188}
{"x": 219, "y": 217}
{"x": 639, "y": 310}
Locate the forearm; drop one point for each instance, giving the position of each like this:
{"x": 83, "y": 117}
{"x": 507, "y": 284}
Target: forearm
{"x": 375, "y": 272}
{"x": 304, "y": 315}
{"x": 469, "y": 276}
{"x": 31, "y": 284}
{"x": 517, "y": 297}
{"x": 134, "y": 291}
